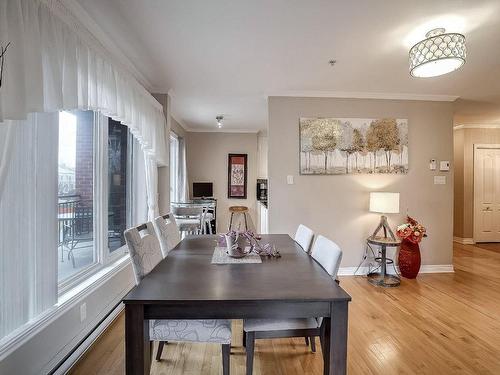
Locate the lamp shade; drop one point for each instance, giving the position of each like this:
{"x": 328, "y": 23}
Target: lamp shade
{"x": 385, "y": 203}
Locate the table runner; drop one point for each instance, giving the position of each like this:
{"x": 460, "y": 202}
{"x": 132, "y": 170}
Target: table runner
{"x": 220, "y": 257}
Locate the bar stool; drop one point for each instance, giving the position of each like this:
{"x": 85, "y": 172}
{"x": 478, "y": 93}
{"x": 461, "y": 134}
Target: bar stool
{"x": 240, "y": 210}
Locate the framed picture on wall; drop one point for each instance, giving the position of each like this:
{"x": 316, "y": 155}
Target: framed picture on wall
{"x": 237, "y": 176}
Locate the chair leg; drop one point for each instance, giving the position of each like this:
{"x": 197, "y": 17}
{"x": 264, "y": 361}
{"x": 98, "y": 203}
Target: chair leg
{"x": 226, "y": 354}
{"x": 250, "y": 344}
{"x": 244, "y": 339}
{"x": 306, "y": 339}
{"x": 313, "y": 344}
{"x": 160, "y": 350}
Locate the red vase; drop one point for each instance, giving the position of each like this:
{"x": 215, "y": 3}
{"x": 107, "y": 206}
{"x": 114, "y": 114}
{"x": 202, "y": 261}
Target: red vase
{"x": 409, "y": 259}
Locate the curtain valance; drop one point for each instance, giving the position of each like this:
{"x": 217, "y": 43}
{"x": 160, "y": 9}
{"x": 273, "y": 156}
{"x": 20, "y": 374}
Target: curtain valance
{"x": 51, "y": 66}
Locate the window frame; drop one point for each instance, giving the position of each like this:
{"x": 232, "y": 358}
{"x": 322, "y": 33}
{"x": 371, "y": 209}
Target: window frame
{"x": 103, "y": 257}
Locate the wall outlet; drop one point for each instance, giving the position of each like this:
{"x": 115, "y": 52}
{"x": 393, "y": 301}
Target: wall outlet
{"x": 83, "y": 312}
{"x": 439, "y": 180}
{"x": 289, "y": 180}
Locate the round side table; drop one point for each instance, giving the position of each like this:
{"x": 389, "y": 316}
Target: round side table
{"x": 242, "y": 210}
{"x": 382, "y": 278}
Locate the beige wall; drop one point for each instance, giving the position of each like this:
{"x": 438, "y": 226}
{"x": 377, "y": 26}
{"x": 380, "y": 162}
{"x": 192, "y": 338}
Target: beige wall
{"x": 337, "y": 206}
{"x": 207, "y": 162}
{"x": 465, "y": 139}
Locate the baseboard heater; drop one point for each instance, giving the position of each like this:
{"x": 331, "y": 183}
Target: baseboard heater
{"x": 85, "y": 338}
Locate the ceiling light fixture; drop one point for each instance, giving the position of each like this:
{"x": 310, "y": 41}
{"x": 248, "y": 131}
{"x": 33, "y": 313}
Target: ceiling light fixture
{"x": 438, "y": 54}
{"x": 219, "y": 120}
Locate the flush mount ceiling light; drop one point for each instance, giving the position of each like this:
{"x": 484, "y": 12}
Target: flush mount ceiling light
{"x": 438, "y": 54}
{"x": 219, "y": 120}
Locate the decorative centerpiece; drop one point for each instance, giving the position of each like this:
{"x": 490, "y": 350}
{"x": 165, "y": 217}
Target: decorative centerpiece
{"x": 411, "y": 233}
{"x": 242, "y": 243}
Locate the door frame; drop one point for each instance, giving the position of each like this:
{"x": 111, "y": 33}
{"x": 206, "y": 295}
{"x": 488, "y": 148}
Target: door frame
{"x": 476, "y": 147}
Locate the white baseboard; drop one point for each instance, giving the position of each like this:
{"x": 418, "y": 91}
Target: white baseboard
{"x": 426, "y": 268}
{"x": 464, "y": 241}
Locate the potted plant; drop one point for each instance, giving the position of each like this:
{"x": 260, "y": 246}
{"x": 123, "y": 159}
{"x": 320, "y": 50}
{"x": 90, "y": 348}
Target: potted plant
{"x": 411, "y": 233}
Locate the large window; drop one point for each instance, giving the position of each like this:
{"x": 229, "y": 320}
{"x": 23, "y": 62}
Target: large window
{"x": 75, "y": 216}
{"x": 94, "y": 193}
{"x": 119, "y": 210}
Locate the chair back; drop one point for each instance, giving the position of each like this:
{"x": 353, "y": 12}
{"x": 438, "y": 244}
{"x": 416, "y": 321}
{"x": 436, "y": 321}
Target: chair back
{"x": 191, "y": 211}
{"x": 144, "y": 249}
{"x": 304, "y": 237}
{"x": 328, "y": 254}
{"x": 168, "y": 233}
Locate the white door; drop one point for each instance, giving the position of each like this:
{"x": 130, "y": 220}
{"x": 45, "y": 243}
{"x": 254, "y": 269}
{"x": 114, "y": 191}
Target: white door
{"x": 486, "y": 194}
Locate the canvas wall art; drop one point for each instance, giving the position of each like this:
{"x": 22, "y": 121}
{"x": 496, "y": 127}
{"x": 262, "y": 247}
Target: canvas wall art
{"x": 353, "y": 146}
{"x": 237, "y": 176}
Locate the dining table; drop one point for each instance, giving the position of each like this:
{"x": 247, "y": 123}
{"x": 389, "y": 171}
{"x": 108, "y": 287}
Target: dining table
{"x": 187, "y": 285}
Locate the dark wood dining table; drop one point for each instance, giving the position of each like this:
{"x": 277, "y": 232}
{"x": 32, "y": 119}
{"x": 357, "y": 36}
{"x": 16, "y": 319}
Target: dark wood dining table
{"x": 186, "y": 285}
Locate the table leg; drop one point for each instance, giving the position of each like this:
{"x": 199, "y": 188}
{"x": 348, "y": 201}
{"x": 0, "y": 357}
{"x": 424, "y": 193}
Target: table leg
{"x": 335, "y": 340}
{"x": 137, "y": 346}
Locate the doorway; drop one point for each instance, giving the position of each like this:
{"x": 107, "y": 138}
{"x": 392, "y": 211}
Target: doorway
{"x": 487, "y": 193}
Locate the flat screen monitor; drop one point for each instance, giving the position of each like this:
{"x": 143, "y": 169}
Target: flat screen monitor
{"x": 203, "y": 189}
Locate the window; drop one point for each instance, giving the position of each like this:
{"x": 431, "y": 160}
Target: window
{"x": 94, "y": 194}
{"x": 174, "y": 168}
{"x": 75, "y": 214}
{"x": 119, "y": 210}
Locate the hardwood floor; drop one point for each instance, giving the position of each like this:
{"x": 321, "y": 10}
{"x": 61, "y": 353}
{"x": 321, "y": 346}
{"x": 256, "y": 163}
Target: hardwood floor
{"x": 437, "y": 324}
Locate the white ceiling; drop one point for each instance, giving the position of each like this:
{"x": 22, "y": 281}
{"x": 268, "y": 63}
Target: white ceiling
{"x": 226, "y": 56}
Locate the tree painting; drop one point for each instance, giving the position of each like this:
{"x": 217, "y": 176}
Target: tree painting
{"x": 352, "y": 146}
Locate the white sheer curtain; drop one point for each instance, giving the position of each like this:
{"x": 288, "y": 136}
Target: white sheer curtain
{"x": 28, "y": 229}
{"x": 151, "y": 169}
{"x": 53, "y": 64}
{"x": 183, "y": 189}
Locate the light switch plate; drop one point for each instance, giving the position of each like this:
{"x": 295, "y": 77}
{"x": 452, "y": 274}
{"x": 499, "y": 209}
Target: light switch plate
{"x": 289, "y": 180}
{"x": 432, "y": 164}
{"x": 439, "y": 180}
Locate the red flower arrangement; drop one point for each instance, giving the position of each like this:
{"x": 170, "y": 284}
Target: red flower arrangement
{"x": 412, "y": 230}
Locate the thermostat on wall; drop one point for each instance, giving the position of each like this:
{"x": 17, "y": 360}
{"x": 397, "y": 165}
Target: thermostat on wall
{"x": 444, "y": 166}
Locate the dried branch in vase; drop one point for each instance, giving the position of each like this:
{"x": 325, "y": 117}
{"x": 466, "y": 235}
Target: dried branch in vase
{"x": 3, "y": 50}
{"x": 252, "y": 239}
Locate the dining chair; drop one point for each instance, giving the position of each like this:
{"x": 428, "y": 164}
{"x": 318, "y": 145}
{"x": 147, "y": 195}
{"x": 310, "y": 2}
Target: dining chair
{"x": 168, "y": 233}
{"x": 328, "y": 254}
{"x": 189, "y": 219}
{"x": 145, "y": 253}
{"x": 304, "y": 237}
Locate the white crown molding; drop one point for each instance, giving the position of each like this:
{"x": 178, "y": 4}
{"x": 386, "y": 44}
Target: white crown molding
{"x": 81, "y": 14}
{"x": 365, "y": 95}
{"x": 464, "y": 241}
{"x": 476, "y": 126}
{"x": 426, "y": 268}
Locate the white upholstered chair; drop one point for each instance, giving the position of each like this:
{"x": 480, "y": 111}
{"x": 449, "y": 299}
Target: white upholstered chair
{"x": 168, "y": 233}
{"x": 304, "y": 237}
{"x": 189, "y": 219}
{"x": 328, "y": 254}
{"x": 144, "y": 250}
